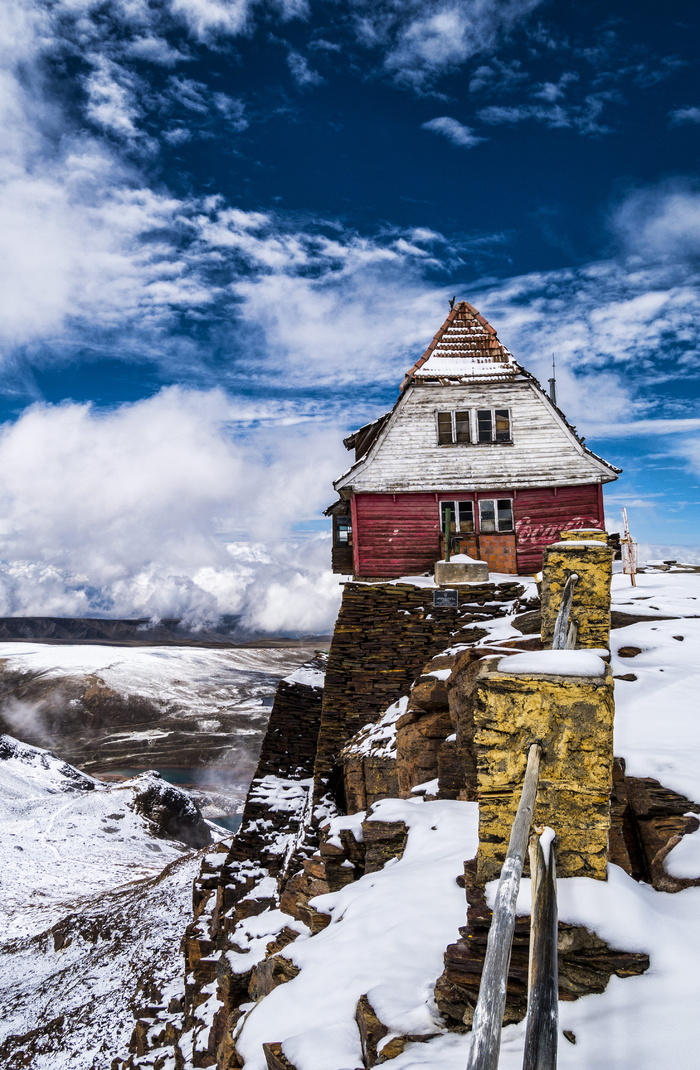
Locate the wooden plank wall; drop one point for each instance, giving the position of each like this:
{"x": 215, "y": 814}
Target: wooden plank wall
{"x": 541, "y": 514}
{"x": 395, "y": 534}
{"x": 399, "y": 534}
{"x": 408, "y": 459}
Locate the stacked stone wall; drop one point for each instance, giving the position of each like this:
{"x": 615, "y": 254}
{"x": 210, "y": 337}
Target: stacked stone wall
{"x": 384, "y": 635}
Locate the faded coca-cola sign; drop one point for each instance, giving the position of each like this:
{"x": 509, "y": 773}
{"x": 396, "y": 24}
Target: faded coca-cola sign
{"x": 536, "y": 532}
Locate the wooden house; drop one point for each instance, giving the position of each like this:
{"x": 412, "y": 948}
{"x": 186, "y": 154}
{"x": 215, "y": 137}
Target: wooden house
{"x": 472, "y": 432}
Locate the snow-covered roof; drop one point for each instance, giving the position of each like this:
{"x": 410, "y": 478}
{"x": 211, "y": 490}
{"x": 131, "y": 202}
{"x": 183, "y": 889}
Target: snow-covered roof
{"x": 466, "y": 347}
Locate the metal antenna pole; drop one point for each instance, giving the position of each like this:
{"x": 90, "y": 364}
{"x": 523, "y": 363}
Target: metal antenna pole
{"x": 553, "y": 383}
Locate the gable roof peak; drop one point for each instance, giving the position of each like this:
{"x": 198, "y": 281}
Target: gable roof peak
{"x": 465, "y": 348}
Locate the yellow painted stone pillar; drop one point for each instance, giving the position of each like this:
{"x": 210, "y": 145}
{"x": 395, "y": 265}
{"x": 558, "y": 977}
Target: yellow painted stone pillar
{"x": 572, "y": 717}
{"x": 591, "y": 559}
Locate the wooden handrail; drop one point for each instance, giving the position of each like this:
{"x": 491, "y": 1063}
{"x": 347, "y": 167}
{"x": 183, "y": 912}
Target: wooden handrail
{"x": 541, "y": 1035}
{"x": 561, "y": 626}
{"x": 488, "y": 1016}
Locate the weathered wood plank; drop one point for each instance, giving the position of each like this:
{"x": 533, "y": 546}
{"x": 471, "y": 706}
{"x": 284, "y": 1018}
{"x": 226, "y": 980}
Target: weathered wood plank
{"x": 541, "y": 1034}
{"x": 488, "y": 1017}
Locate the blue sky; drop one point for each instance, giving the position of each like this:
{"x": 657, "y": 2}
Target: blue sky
{"x": 228, "y": 226}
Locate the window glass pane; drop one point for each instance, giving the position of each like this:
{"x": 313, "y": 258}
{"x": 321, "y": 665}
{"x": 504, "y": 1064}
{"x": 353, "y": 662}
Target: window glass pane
{"x": 444, "y": 506}
{"x": 485, "y": 425}
{"x": 343, "y": 530}
{"x": 466, "y": 516}
{"x": 502, "y": 425}
{"x": 505, "y": 514}
{"x": 487, "y": 515}
{"x": 462, "y": 427}
{"x": 444, "y": 428}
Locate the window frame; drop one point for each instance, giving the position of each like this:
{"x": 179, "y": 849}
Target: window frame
{"x": 472, "y": 423}
{"x": 453, "y": 413}
{"x": 476, "y": 511}
{"x": 455, "y": 513}
{"x": 342, "y": 524}
{"x": 498, "y": 530}
{"x": 493, "y": 417}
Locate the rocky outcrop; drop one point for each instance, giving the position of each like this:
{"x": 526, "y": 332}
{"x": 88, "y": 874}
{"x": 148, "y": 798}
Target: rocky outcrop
{"x": 172, "y": 814}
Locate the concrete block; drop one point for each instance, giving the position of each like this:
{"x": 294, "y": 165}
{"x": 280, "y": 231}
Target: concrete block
{"x": 449, "y": 573}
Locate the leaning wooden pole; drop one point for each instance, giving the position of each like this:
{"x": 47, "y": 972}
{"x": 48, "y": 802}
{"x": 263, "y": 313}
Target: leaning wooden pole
{"x": 488, "y": 1016}
{"x": 561, "y": 626}
{"x": 542, "y": 1030}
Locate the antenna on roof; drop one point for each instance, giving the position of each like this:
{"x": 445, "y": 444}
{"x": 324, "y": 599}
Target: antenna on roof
{"x": 553, "y": 383}
{"x": 452, "y": 302}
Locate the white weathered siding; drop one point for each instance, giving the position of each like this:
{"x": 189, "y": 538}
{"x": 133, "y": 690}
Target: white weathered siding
{"x": 406, "y": 456}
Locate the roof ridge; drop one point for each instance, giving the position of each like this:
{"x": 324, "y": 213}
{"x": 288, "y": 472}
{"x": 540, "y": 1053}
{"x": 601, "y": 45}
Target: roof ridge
{"x": 481, "y": 348}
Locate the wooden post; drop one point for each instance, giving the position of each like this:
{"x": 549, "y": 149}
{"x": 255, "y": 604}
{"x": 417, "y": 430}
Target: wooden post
{"x": 488, "y": 1016}
{"x": 542, "y": 1028}
{"x": 562, "y": 623}
{"x": 629, "y": 552}
{"x": 448, "y": 524}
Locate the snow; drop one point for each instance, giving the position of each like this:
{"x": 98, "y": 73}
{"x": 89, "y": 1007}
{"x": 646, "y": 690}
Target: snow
{"x": 61, "y": 845}
{"x": 479, "y": 367}
{"x": 439, "y": 674}
{"x": 386, "y": 938}
{"x": 191, "y": 676}
{"x": 554, "y": 663}
{"x": 684, "y": 859}
{"x": 307, "y": 676}
{"x": 93, "y": 906}
{"x": 566, "y": 543}
{"x": 379, "y": 740}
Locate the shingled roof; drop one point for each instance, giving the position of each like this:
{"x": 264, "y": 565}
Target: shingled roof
{"x": 465, "y": 348}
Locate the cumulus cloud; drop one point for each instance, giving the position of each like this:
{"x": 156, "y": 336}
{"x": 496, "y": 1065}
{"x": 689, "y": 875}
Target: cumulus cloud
{"x": 454, "y": 131}
{"x": 159, "y": 509}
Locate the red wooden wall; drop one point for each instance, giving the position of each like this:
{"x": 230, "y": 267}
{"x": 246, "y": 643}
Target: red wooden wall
{"x": 399, "y": 534}
{"x": 395, "y": 534}
{"x": 541, "y": 514}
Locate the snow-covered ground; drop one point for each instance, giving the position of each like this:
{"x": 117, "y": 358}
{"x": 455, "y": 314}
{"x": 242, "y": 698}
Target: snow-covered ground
{"x": 202, "y": 681}
{"x": 389, "y": 929}
{"x": 61, "y": 845}
{"x": 197, "y": 712}
{"x": 94, "y": 904}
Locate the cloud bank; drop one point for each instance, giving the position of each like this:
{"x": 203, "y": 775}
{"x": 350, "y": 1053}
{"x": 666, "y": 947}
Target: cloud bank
{"x": 160, "y": 509}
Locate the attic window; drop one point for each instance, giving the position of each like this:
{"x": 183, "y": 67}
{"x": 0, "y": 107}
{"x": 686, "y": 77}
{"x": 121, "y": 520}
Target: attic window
{"x": 493, "y": 425}
{"x": 453, "y": 427}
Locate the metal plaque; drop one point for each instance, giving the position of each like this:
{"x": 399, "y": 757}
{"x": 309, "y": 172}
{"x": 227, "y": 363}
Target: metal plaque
{"x": 446, "y": 598}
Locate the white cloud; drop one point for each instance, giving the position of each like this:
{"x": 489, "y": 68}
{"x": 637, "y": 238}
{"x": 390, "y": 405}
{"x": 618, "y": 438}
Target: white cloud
{"x": 126, "y": 513}
{"x": 454, "y": 131}
{"x": 421, "y": 40}
{"x": 685, "y": 115}
{"x": 660, "y": 223}
{"x": 583, "y": 116}
{"x": 111, "y": 103}
{"x": 301, "y": 72}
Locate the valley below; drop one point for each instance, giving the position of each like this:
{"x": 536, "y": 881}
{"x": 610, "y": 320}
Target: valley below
{"x": 99, "y": 854}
